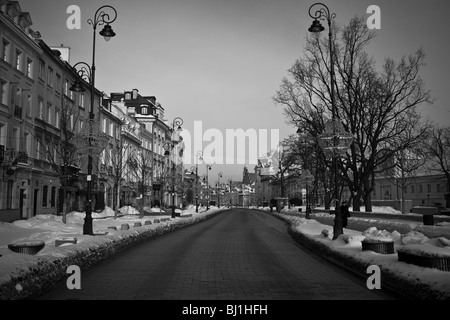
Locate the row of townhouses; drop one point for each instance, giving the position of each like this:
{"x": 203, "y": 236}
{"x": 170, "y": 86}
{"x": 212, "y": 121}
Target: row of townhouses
{"x": 39, "y": 113}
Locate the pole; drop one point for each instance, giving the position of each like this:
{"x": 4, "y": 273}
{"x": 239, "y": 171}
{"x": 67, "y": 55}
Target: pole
{"x": 173, "y": 189}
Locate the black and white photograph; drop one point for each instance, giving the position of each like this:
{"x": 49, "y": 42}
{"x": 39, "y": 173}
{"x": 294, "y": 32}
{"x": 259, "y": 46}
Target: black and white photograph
{"x": 225, "y": 158}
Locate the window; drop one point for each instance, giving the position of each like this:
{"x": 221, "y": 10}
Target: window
{"x": 18, "y": 100}
{"x": 29, "y": 105}
{"x": 38, "y": 150}
{"x": 428, "y": 187}
{"x": 111, "y": 130}
{"x": 104, "y": 126}
{"x": 82, "y": 100}
{"x": 58, "y": 82}
{"x": 438, "y": 187}
{"x": 41, "y": 73}
{"x": 3, "y": 92}
{"x": 57, "y": 119}
{"x": 50, "y": 77}
{"x": 18, "y": 59}
{"x": 53, "y": 197}
{"x": 2, "y": 134}
{"x": 66, "y": 87}
{"x": 49, "y": 114}
{"x": 41, "y": 108}
{"x": 44, "y": 196}
{"x": 144, "y": 110}
{"x": 412, "y": 189}
{"x": 15, "y": 139}
{"x": 28, "y": 143}
{"x": 29, "y": 68}
{"x": 5, "y": 50}
{"x": 420, "y": 188}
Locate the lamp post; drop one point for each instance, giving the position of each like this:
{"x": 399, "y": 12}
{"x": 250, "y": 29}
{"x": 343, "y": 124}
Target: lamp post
{"x": 93, "y": 142}
{"x": 335, "y": 138}
{"x": 169, "y": 146}
{"x": 219, "y": 175}
{"x": 230, "y": 181}
{"x": 208, "y": 167}
{"x": 199, "y": 157}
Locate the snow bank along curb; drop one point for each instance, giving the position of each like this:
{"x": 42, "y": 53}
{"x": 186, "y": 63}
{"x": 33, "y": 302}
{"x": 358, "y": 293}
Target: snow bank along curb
{"x": 413, "y": 290}
{"x": 36, "y": 279}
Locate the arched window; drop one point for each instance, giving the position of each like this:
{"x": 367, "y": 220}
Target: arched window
{"x": 53, "y": 197}
{"x": 144, "y": 110}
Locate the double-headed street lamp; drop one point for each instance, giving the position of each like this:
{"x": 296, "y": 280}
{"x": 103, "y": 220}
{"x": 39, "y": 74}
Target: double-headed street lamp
{"x": 208, "y": 167}
{"x": 91, "y": 138}
{"x": 334, "y": 139}
{"x": 198, "y": 157}
{"x": 169, "y": 146}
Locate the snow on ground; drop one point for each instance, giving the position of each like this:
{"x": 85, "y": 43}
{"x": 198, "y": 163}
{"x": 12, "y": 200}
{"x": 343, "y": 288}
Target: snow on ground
{"x": 49, "y": 228}
{"x": 413, "y": 242}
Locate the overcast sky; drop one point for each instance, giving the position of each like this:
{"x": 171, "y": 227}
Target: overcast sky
{"x": 221, "y": 61}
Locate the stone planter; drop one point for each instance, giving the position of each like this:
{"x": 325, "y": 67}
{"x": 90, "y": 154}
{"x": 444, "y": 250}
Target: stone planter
{"x": 384, "y": 247}
{"x": 137, "y": 224}
{"x": 441, "y": 263}
{"x": 125, "y": 226}
{"x": 147, "y": 222}
{"x": 27, "y": 247}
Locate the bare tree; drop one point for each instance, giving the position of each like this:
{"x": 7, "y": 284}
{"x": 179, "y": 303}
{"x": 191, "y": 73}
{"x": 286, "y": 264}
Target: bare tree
{"x": 438, "y": 147}
{"x": 115, "y": 168}
{"x": 60, "y": 150}
{"x": 140, "y": 163}
{"x": 376, "y": 107}
{"x": 284, "y": 166}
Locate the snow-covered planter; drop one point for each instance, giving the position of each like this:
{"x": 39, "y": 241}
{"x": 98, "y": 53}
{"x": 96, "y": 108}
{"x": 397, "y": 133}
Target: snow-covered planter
{"x": 379, "y": 241}
{"x": 382, "y": 245}
{"x": 27, "y": 247}
{"x": 425, "y": 256}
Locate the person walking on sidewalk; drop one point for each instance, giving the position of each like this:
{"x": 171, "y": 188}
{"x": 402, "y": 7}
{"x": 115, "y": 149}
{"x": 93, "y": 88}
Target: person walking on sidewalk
{"x": 345, "y": 213}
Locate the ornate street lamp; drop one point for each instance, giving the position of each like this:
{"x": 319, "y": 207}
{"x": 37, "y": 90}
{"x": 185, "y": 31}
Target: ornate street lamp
{"x": 199, "y": 157}
{"x": 90, "y": 141}
{"x": 169, "y": 146}
{"x": 334, "y": 140}
{"x": 208, "y": 167}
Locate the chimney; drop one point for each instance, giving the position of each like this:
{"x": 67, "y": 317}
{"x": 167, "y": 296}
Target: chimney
{"x": 135, "y": 94}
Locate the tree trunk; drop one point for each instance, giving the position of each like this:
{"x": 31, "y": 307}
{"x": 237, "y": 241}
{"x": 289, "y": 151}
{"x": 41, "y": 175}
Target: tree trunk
{"x": 64, "y": 206}
{"x": 357, "y": 202}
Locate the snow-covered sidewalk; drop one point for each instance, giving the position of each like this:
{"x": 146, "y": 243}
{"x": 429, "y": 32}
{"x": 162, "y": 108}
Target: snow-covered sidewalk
{"x": 430, "y": 283}
{"x": 23, "y": 275}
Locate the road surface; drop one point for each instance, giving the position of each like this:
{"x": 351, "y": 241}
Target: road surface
{"x": 239, "y": 254}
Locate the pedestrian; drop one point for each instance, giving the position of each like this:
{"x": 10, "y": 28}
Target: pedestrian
{"x": 345, "y": 214}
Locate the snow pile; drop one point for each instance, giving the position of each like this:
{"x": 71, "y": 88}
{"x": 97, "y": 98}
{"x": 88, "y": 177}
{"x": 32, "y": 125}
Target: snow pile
{"x": 129, "y": 210}
{"x": 374, "y": 235}
{"x": 414, "y": 237}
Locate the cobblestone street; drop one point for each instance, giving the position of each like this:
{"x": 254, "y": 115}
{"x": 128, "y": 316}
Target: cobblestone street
{"x": 238, "y": 255}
